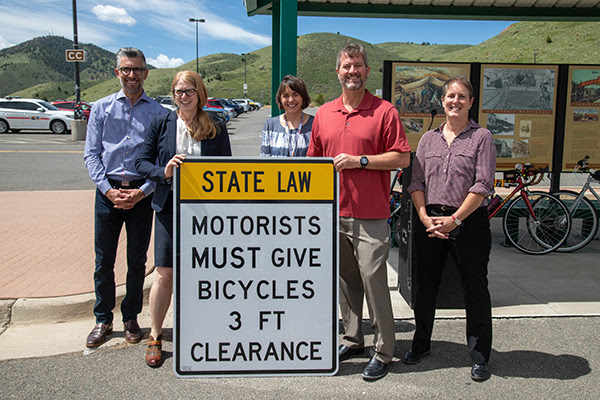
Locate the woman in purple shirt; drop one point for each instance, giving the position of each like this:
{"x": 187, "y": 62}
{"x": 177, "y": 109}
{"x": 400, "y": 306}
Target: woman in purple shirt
{"x": 452, "y": 175}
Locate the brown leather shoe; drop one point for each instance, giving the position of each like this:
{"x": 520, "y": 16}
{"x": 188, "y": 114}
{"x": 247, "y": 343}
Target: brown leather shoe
{"x": 154, "y": 356}
{"x": 98, "y": 335}
{"x": 133, "y": 333}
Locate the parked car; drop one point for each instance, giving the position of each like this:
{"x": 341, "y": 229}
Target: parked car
{"x": 17, "y": 114}
{"x": 218, "y": 103}
{"x": 238, "y": 108}
{"x": 167, "y": 102}
{"x": 244, "y": 103}
{"x": 69, "y": 105}
{"x": 254, "y": 105}
{"x": 217, "y": 112}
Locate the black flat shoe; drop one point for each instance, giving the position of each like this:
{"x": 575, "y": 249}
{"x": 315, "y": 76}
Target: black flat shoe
{"x": 412, "y": 357}
{"x": 480, "y": 372}
{"x": 375, "y": 369}
{"x": 345, "y": 352}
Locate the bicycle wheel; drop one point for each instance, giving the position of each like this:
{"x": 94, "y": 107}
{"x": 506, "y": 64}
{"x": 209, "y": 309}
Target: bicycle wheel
{"x": 396, "y": 230}
{"x": 584, "y": 220}
{"x": 539, "y": 235}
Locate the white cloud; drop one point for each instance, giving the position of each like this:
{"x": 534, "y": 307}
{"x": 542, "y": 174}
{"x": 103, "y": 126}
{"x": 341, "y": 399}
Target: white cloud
{"x": 113, "y": 14}
{"x": 4, "y": 43}
{"x": 163, "y": 61}
{"x": 167, "y": 15}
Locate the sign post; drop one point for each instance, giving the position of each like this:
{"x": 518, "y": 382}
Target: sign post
{"x": 256, "y": 267}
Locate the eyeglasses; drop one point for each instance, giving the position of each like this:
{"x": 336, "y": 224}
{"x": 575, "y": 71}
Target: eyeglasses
{"x": 188, "y": 92}
{"x": 127, "y": 70}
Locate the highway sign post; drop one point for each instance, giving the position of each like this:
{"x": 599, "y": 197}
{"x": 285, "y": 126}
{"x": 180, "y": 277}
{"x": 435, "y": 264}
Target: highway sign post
{"x": 256, "y": 267}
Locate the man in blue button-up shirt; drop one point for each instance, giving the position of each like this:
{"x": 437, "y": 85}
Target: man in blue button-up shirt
{"x": 115, "y": 133}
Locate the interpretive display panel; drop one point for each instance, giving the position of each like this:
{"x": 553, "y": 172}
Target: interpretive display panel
{"x": 517, "y": 106}
{"x": 256, "y": 267}
{"x": 417, "y": 93}
{"x": 582, "y": 124}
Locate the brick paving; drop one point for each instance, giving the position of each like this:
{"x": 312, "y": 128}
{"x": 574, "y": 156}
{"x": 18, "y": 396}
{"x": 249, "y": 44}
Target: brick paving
{"x": 47, "y": 244}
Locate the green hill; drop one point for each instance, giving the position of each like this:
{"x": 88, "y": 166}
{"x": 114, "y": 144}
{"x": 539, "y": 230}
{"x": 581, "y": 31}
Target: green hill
{"x": 42, "y": 60}
{"x": 553, "y": 42}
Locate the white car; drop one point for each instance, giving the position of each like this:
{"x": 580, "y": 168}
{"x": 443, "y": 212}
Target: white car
{"x": 17, "y": 114}
{"x": 244, "y": 103}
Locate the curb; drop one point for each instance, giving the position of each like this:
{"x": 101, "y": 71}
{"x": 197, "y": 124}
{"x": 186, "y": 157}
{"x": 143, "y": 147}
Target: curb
{"x": 60, "y": 309}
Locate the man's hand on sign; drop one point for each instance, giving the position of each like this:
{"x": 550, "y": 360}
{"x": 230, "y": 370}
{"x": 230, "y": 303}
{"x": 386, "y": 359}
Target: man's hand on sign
{"x": 174, "y": 162}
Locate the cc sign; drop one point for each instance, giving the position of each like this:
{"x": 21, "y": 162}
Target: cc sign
{"x": 75, "y": 55}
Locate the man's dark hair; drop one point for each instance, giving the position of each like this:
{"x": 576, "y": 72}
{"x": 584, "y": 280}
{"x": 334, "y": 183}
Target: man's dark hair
{"x": 352, "y": 50}
{"x": 130, "y": 52}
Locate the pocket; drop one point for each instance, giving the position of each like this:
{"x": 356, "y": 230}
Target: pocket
{"x": 464, "y": 163}
{"x": 433, "y": 165}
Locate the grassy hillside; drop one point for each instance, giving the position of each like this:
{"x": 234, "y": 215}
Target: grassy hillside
{"x": 42, "y": 60}
{"x": 421, "y": 52}
{"x": 555, "y": 42}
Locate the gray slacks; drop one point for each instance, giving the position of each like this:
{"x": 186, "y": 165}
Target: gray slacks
{"x": 364, "y": 248}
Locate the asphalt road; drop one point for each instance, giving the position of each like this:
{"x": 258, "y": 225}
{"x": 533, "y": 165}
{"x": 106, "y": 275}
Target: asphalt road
{"x": 533, "y": 358}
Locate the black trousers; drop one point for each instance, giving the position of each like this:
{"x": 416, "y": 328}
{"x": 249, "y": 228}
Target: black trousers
{"x": 470, "y": 247}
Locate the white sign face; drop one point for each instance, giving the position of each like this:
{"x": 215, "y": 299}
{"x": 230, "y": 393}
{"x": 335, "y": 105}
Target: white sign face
{"x": 256, "y": 279}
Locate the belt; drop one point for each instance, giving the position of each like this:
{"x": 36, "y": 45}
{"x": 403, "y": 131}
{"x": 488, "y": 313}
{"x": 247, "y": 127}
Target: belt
{"x": 134, "y": 184}
{"x": 438, "y": 209}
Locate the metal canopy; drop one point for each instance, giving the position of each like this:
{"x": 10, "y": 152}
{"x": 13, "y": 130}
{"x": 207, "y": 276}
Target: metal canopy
{"x": 285, "y": 15}
{"x": 522, "y": 10}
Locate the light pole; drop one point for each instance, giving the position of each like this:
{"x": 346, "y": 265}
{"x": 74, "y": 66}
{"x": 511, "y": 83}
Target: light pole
{"x": 245, "y": 55}
{"x": 196, "y": 21}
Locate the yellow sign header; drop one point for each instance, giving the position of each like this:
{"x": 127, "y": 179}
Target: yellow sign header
{"x": 257, "y": 180}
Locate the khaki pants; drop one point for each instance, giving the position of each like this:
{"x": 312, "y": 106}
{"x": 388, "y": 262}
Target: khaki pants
{"x": 364, "y": 248}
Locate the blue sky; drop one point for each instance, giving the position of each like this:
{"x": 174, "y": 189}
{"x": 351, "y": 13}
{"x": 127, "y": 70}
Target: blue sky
{"x": 162, "y": 30}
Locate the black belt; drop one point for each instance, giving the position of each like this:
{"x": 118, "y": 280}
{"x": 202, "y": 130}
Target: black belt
{"x": 134, "y": 184}
{"x": 438, "y": 210}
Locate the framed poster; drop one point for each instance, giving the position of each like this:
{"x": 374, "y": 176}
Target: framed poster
{"x": 517, "y": 105}
{"x": 582, "y": 124}
{"x": 417, "y": 93}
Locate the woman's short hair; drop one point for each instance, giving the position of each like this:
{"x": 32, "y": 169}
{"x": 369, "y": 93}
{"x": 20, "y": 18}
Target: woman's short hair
{"x": 297, "y": 85}
{"x": 461, "y": 80}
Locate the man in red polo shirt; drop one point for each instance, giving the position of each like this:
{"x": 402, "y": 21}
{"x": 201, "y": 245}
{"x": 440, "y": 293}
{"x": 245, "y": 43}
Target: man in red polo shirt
{"x": 364, "y": 136}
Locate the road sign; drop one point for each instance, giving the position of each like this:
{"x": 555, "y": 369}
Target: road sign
{"x": 256, "y": 270}
{"x": 75, "y": 55}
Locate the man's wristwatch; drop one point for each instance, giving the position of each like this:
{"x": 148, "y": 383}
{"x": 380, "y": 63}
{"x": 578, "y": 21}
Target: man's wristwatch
{"x": 457, "y": 221}
{"x": 364, "y": 161}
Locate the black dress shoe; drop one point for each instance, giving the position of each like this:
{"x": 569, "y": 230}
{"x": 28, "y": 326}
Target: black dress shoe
{"x": 133, "y": 333}
{"x": 375, "y": 369}
{"x": 345, "y": 352}
{"x": 98, "y": 335}
{"x": 412, "y": 357}
{"x": 479, "y": 372}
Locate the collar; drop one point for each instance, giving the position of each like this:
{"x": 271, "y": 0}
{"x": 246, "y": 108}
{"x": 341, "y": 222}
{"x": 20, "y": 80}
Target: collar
{"x": 143, "y": 97}
{"x": 472, "y": 125}
{"x": 365, "y": 104}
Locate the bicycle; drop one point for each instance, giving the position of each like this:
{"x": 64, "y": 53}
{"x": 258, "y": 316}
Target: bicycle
{"x": 535, "y": 222}
{"x": 582, "y": 211}
{"x": 395, "y": 207}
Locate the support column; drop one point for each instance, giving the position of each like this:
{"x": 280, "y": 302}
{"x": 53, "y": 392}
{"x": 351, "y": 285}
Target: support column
{"x": 275, "y": 77}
